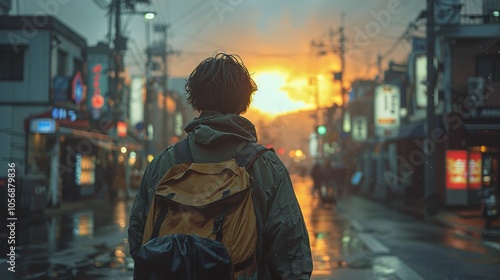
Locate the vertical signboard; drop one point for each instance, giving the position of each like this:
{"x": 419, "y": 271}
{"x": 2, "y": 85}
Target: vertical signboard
{"x": 98, "y": 84}
{"x": 456, "y": 169}
{"x": 421, "y": 83}
{"x": 359, "y": 130}
{"x": 386, "y": 111}
{"x": 78, "y": 89}
{"x": 462, "y": 166}
{"x": 464, "y": 172}
{"x": 136, "y": 103}
{"x": 475, "y": 170}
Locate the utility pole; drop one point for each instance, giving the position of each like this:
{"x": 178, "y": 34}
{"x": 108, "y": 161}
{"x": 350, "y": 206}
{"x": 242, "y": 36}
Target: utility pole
{"x": 162, "y": 29}
{"x": 430, "y": 166}
{"x": 159, "y": 49}
{"x": 342, "y": 73}
{"x": 342, "y": 59}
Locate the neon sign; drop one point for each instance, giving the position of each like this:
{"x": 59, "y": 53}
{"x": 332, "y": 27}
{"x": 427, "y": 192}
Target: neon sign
{"x": 97, "y": 99}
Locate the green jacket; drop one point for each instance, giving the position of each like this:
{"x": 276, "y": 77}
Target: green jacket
{"x": 283, "y": 249}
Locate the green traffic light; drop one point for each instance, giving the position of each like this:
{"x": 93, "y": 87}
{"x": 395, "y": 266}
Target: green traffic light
{"x": 321, "y": 130}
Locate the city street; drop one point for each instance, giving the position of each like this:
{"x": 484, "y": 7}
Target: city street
{"x": 357, "y": 239}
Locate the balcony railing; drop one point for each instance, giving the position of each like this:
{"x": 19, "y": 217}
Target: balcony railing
{"x": 478, "y": 19}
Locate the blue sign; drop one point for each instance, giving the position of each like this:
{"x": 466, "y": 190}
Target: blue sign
{"x": 78, "y": 89}
{"x": 60, "y": 87}
{"x": 63, "y": 114}
{"x": 43, "y": 126}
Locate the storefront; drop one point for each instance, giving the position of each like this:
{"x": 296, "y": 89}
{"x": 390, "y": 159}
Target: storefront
{"x": 76, "y": 159}
{"x": 475, "y": 165}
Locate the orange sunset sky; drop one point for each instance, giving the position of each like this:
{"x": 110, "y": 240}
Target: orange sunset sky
{"x": 274, "y": 39}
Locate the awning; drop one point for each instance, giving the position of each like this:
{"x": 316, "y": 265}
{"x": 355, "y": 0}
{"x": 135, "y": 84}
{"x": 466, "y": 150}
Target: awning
{"x": 80, "y": 128}
{"x": 76, "y": 124}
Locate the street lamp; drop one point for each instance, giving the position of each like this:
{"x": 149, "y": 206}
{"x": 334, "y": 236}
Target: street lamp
{"x": 149, "y": 15}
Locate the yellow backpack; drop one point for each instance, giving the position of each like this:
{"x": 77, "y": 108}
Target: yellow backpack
{"x": 201, "y": 224}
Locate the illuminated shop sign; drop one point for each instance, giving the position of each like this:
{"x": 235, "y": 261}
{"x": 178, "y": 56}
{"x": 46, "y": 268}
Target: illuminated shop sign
{"x": 475, "y": 168}
{"x": 43, "y": 125}
{"x": 387, "y": 105}
{"x": 421, "y": 83}
{"x": 98, "y": 85}
{"x": 78, "y": 89}
{"x": 486, "y": 113}
{"x": 359, "y": 130}
{"x": 458, "y": 169}
{"x": 59, "y": 113}
{"x": 121, "y": 128}
{"x": 84, "y": 170}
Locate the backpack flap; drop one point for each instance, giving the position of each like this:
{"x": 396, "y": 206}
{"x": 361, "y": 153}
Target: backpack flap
{"x": 200, "y": 184}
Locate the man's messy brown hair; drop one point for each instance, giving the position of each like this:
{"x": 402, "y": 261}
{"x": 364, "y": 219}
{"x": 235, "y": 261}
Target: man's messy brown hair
{"x": 221, "y": 83}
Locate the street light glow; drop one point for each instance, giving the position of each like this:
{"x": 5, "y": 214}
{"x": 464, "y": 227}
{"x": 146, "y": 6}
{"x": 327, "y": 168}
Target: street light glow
{"x": 496, "y": 13}
{"x": 149, "y": 15}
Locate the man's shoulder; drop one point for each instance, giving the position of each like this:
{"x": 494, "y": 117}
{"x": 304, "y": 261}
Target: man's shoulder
{"x": 161, "y": 161}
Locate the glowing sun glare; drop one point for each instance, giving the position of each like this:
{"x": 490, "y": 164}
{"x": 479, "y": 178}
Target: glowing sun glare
{"x": 271, "y": 97}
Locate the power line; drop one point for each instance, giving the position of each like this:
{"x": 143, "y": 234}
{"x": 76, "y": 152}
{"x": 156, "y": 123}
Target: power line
{"x": 101, "y": 5}
{"x": 194, "y": 9}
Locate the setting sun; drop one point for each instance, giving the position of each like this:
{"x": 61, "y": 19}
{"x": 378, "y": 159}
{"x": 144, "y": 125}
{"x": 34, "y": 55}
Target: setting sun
{"x": 273, "y": 95}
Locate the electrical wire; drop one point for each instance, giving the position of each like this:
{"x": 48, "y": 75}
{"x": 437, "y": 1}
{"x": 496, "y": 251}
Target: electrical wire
{"x": 100, "y": 5}
{"x": 189, "y": 14}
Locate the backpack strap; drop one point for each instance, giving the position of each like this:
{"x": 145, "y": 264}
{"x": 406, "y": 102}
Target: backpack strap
{"x": 182, "y": 152}
{"x": 249, "y": 153}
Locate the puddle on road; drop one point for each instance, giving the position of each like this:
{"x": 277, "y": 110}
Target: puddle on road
{"x": 331, "y": 236}
{"x": 87, "y": 244}
{"x": 99, "y": 262}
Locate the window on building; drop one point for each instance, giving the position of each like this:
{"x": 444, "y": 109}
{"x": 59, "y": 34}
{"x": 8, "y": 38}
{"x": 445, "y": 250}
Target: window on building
{"x": 12, "y": 63}
{"x": 77, "y": 65}
{"x": 488, "y": 67}
{"x": 61, "y": 63}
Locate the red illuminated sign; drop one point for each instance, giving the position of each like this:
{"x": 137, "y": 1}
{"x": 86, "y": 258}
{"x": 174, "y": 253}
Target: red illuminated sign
{"x": 121, "y": 128}
{"x": 97, "y": 99}
{"x": 456, "y": 170}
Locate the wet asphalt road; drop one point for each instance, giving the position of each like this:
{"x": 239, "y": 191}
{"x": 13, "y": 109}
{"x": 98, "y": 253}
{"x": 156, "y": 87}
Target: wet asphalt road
{"x": 355, "y": 239}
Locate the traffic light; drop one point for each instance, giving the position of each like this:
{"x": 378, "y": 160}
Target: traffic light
{"x": 321, "y": 129}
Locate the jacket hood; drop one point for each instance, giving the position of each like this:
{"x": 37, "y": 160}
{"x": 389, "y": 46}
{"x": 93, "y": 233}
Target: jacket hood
{"x": 212, "y": 127}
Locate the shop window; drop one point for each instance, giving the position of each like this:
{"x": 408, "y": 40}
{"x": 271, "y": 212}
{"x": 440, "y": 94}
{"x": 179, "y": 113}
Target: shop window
{"x": 77, "y": 66}
{"x": 85, "y": 169}
{"x": 488, "y": 67}
{"x": 12, "y": 66}
{"x": 61, "y": 62}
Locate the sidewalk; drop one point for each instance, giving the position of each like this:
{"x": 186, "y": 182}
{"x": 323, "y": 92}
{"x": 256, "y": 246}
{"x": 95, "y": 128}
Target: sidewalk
{"x": 468, "y": 220}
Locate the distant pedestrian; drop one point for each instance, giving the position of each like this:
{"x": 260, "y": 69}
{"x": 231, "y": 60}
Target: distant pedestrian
{"x": 221, "y": 89}
{"x": 317, "y": 177}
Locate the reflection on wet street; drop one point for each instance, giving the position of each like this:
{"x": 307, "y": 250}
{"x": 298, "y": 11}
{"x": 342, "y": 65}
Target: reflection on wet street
{"x": 331, "y": 237}
{"x": 355, "y": 239}
{"x": 89, "y": 243}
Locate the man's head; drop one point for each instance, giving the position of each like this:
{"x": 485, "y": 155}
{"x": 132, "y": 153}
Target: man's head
{"x": 221, "y": 83}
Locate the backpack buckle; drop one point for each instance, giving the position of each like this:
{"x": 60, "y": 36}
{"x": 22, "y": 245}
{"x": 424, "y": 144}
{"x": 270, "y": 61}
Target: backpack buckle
{"x": 217, "y": 224}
